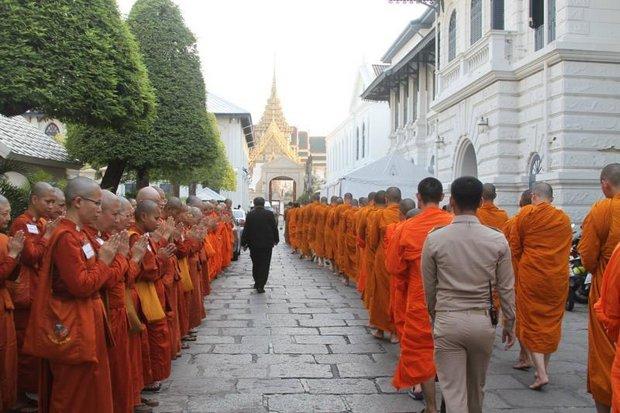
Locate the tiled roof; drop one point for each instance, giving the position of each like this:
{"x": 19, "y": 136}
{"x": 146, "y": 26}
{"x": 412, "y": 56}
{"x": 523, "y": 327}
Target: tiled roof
{"x": 379, "y": 68}
{"x": 217, "y": 105}
{"x": 19, "y": 139}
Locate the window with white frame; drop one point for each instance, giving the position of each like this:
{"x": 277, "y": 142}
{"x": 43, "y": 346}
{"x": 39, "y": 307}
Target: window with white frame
{"x": 357, "y": 143}
{"x": 363, "y": 140}
{"x": 475, "y": 20}
{"x": 452, "y": 37}
{"x": 497, "y": 14}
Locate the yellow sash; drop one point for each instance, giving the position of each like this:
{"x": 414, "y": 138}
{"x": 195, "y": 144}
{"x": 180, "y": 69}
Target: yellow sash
{"x": 149, "y": 301}
{"x": 186, "y": 279}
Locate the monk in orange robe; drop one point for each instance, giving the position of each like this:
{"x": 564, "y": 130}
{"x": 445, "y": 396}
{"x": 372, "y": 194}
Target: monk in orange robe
{"x": 489, "y": 214}
{"x": 311, "y": 230}
{"x": 344, "y": 204}
{"x": 608, "y": 313}
{"x": 306, "y": 251}
{"x": 350, "y": 232}
{"x": 291, "y": 222}
{"x": 398, "y": 294}
{"x": 379, "y": 278}
{"x": 600, "y": 235}
{"x": 10, "y": 248}
{"x": 360, "y": 226}
{"x": 329, "y": 232}
{"x": 151, "y": 290}
{"x": 416, "y": 362}
{"x": 524, "y": 362}
{"x": 113, "y": 295}
{"x": 70, "y": 277}
{"x": 540, "y": 242}
{"x": 38, "y": 232}
{"x": 319, "y": 224}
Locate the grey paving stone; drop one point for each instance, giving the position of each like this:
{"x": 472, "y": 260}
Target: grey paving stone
{"x": 270, "y": 386}
{"x": 340, "y": 386}
{"x": 342, "y": 358}
{"x": 300, "y": 370}
{"x": 319, "y": 339}
{"x": 300, "y": 348}
{"x": 241, "y": 348}
{"x": 214, "y": 340}
{"x": 365, "y": 369}
{"x": 305, "y": 403}
{"x": 380, "y": 403}
{"x": 227, "y": 403}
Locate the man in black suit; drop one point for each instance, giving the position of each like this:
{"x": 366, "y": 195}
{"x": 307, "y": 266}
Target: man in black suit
{"x": 260, "y": 234}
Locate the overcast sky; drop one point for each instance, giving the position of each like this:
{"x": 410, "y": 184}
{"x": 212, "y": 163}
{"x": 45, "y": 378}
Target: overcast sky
{"x": 318, "y": 46}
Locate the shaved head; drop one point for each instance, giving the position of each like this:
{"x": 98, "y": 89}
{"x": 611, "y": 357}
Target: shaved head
{"x": 393, "y": 195}
{"x": 526, "y": 198}
{"x": 412, "y": 213}
{"x": 146, "y": 207}
{"x": 109, "y": 200}
{"x": 193, "y": 200}
{"x": 148, "y": 193}
{"x": 406, "y": 205}
{"x": 41, "y": 189}
{"x": 126, "y": 214}
{"x": 488, "y": 192}
{"x": 348, "y": 196}
{"x": 363, "y": 201}
{"x": 60, "y": 207}
{"x": 610, "y": 180}
{"x": 174, "y": 205}
{"x": 380, "y": 197}
{"x": 371, "y": 196}
{"x": 542, "y": 192}
{"x": 3, "y": 200}
{"x": 324, "y": 200}
{"x": 80, "y": 187}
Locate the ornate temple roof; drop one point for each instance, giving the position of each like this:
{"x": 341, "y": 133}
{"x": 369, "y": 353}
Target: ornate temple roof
{"x": 273, "y": 112}
{"x": 272, "y": 134}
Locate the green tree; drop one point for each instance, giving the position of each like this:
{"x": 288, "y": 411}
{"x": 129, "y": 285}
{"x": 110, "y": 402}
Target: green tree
{"x": 179, "y": 137}
{"x": 72, "y": 59}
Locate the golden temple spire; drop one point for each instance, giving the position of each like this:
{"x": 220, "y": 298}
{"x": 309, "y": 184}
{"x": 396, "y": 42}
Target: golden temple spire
{"x": 274, "y": 91}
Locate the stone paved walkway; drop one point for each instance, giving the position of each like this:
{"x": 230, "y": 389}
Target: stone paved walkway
{"x": 304, "y": 346}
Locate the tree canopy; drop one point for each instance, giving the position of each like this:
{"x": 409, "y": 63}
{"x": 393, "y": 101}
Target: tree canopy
{"x": 72, "y": 59}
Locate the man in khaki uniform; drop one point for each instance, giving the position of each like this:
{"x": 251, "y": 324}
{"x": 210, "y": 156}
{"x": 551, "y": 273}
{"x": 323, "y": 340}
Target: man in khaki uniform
{"x": 461, "y": 263}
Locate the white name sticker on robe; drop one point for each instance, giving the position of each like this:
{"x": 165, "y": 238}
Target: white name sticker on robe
{"x": 99, "y": 241}
{"x": 148, "y": 247}
{"x": 32, "y": 228}
{"x": 88, "y": 251}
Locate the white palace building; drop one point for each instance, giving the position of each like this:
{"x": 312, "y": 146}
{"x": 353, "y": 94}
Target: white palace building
{"x": 512, "y": 92}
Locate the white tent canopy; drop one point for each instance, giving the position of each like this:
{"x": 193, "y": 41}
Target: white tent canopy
{"x": 391, "y": 170}
{"x": 208, "y": 194}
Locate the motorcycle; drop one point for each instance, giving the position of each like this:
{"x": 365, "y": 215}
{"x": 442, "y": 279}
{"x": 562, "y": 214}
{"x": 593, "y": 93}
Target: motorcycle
{"x": 579, "y": 279}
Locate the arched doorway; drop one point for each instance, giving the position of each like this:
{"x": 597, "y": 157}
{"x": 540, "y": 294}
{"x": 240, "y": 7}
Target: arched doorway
{"x": 467, "y": 162}
{"x": 282, "y": 189}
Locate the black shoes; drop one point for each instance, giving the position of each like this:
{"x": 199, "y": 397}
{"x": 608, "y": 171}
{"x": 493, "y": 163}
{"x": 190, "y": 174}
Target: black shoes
{"x": 260, "y": 290}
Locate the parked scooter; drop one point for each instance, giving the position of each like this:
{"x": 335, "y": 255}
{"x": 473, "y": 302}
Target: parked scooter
{"x": 579, "y": 279}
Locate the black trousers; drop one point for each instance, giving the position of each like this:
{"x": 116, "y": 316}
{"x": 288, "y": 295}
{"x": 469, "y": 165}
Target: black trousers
{"x": 261, "y": 260}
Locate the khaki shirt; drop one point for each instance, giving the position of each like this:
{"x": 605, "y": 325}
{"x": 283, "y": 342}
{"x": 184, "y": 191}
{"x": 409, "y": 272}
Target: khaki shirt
{"x": 458, "y": 261}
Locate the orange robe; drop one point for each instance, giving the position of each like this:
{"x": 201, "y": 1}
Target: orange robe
{"x": 159, "y": 350}
{"x": 340, "y": 236}
{"x": 22, "y": 293}
{"x": 415, "y": 363}
{"x": 379, "y": 298}
{"x": 114, "y": 298}
{"x": 491, "y": 216}
{"x": 540, "y": 242}
{"x": 82, "y": 387}
{"x": 311, "y": 229}
{"x": 600, "y": 235}
{"x": 304, "y": 244}
{"x": 319, "y": 223}
{"x": 607, "y": 310}
{"x": 196, "y": 307}
{"x": 329, "y": 232}
{"x": 351, "y": 243}
{"x": 136, "y": 339}
{"x": 398, "y": 296}
{"x": 361, "y": 225}
{"x": 8, "y": 340}
{"x": 291, "y": 221}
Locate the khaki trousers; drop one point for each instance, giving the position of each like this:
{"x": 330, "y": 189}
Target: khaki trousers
{"x": 463, "y": 346}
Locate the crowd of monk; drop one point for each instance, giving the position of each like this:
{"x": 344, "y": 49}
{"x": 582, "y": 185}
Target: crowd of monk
{"x": 99, "y": 293}
{"x": 377, "y": 242}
